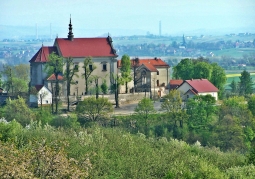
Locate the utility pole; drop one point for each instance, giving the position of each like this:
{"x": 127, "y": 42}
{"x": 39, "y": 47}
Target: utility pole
{"x": 154, "y": 80}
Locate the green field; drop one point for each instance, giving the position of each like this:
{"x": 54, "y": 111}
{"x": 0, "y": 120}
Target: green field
{"x": 236, "y": 77}
{"x": 234, "y": 52}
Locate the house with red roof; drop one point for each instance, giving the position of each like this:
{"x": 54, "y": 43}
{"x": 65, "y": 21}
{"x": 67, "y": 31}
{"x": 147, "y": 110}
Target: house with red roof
{"x": 151, "y": 75}
{"x": 100, "y": 49}
{"x": 190, "y": 88}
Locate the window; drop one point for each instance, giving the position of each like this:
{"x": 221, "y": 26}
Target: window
{"x": 157, "y": 72}
{"x": 187, "y": 96}
{"x": 76, "y": 66}
{"x": 157, "y": 82}
{"x": 91, "y": 67}
{"x": 104, "y": 67}
{"x": 47, "y": 101}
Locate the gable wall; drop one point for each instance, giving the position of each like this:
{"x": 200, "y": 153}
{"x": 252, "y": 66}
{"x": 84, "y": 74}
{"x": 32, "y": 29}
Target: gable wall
{"x": 184, "y": 88}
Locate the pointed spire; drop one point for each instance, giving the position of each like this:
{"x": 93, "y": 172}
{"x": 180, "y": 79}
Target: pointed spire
{"x": 70, "y": 33}
{"x": 183, "y": 40}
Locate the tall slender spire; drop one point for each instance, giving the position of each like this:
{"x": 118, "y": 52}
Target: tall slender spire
{"x": 70, "y": 33}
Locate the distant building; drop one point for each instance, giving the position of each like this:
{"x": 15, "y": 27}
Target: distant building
{"x": 183, "y": 44}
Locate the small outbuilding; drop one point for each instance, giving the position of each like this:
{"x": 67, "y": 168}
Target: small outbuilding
{"x": 41, "y": 96}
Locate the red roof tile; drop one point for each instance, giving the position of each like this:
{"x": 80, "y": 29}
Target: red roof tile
{"x": 156, "y": 62}
{"x": 43, "y": 54}
{"x": 150, "y": 67}
{"x": 84, "y": 47}
{"x": 202, "y": 85}
{"x": 53, "y": 77}
{"x": 176, "y": 82}
{"x": 173, "y": 84}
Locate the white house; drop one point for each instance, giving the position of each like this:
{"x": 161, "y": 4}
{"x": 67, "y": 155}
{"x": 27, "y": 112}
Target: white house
{"x": 192, "y": 87}
{"x": 43, "y": 96}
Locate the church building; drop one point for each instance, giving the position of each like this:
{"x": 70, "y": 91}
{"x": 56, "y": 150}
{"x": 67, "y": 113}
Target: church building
{"x": 100, "y": 49}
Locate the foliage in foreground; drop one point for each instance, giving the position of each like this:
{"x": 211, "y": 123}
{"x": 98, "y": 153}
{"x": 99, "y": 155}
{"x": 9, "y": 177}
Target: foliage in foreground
{"x": 48, "y": 152}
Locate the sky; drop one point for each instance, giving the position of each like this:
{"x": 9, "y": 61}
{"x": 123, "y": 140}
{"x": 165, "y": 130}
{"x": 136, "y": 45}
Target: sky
{"x": 130, "y": 17}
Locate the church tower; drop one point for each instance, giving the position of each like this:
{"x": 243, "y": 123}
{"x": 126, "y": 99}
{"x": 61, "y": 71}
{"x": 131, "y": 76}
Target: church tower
{"x": 183, "y": 41}
{"x": 70, "y": 33}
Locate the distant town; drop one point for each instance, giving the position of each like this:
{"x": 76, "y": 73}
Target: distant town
{"x": 235, "y": 48}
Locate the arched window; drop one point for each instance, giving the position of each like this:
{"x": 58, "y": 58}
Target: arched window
{"x": 143, "y": 77}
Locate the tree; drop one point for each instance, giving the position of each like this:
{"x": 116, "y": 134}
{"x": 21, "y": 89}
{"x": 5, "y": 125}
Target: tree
{"x": 143, "y": 109}
{"x": 17, "y": 109}
{"x": 104, "y": 87}
{"x": 184, "y": 70}
{"x": 234, "y": 87}
{"x": 202, "y": 70}
{"x": 251, "y": 104}
{"x": 136, "y": 63}
{"x": 42, "y": 95}
{"x": 218, "y": 78}
{"x": 115, "y": 84}
{"x": 173, "y": 107}
{"x": 94, "y": 108}
{"x": 8, "y": 75}
{"x": 97, "y": 88}
{"x": 126, "y": 70}
{"x": 22, "y": 71}
{"x": 245, "y": 84}
{"x": 229, "y": 134}
{"x": 89, "y": 67}
{"x": 70, "y": 71}
{"x": 19, "y": 86}
{"x": 236, "y": 109}
{"x": 200, "y": 109}
{"x": 55, "y": 65}
{"x": 1, "y": 82}
{"x": 16, "y": 78}
{"x": 40, "y": 159}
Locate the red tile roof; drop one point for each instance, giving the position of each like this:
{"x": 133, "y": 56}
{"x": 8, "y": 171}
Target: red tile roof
{"x": 84, "y": 47}
{"x": 43, "y": 54}
{"x": 173, "y": 84}
{"x": 53, "y": 77}
{"x": 176, "y": 82}
{"x": 150, "y": 67}
{"x": 156, "y": 62}
{"x": 202, "y": 85}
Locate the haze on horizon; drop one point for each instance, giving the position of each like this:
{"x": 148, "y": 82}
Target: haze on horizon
{"x": 133, "y": 17}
